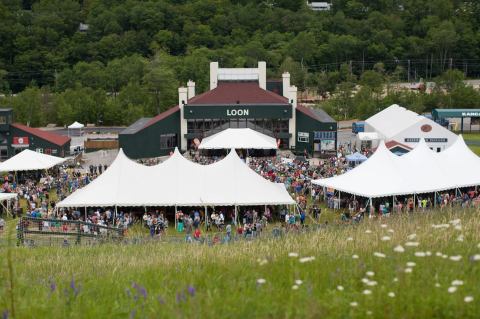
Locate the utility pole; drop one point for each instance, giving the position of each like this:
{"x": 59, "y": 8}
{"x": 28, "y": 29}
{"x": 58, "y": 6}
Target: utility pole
{"x": 408, "y": 71}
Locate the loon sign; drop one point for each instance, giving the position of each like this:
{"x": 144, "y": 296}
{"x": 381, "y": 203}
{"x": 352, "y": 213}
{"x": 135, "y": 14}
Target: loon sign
{"x": 238, "y": 112}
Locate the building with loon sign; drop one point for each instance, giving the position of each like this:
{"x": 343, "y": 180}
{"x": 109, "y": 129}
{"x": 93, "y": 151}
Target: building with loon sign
{"x": 238, "y": 98}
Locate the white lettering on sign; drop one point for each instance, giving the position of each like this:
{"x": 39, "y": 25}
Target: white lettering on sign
{"x": 241, "y": 112}
{"x": 471, "y": 114}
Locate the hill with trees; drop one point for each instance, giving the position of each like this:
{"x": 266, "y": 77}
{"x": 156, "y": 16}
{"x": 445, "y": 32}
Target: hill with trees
{"x": 112, "y": 61}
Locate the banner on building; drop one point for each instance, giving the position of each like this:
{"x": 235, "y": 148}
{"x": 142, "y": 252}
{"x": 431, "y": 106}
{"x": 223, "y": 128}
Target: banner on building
{"x": 20, "y": 141}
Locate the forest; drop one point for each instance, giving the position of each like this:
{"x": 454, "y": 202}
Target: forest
{"x": 109, "y": 62}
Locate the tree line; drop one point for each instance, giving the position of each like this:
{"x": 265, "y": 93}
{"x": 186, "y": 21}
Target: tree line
{"x": 113, "y": 61}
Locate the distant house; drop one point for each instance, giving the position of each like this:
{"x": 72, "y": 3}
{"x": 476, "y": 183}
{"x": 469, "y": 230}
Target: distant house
{"x": 319, "y": 6}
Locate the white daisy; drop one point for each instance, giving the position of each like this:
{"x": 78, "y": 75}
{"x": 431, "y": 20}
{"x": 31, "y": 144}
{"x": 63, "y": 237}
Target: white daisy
{"x": 468, "y": 299}
{"x": 298, "y": 282}
{"x": 349, "y": 238}
{"x": 458, "y": 227}
{"x": 412, "y": 236}
{"x": 294, "y": 255}
{"x": 379, "y": 255}
{"x": 452, "y": 289}
{"x": 372, "y": 283}
{"x": 294, "y": 287}
{"x": 340, "y": 288}
{"x": 412, "y": 244}
{"x": 391, "y": 294}
{"x": 367, "y": 292}
{"x": 368, "y": 231}
{"x": 355, "y": 256}
{"x": 476, "y": 257}
{"x": 438, "y": 254}
{"x": 420, "y": 254}
{"x": 457, "y": 282}
{"x": 460, "y": 238}
{"x": 354, "y": 304}
{"x": 438, "y": 285}
{"x": 306, "y": 259}
{"x": 455, "y": 258}
{"x": 411, "y": 264}
{"x": 395, "y": 279}
{"x": 370, "y": 273}
{"x": 399, "y": 249}
{"x": 408, "y": 270}
{"x": 383, "y": 225}
{"x": 391, "y": 231}
{"x": 428, "y": 253}
{"x": 386, "y": 238}
{"x": 261, "y": 281}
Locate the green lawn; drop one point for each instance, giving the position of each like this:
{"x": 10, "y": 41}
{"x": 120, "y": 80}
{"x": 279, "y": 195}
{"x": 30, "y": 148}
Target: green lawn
{"x": 475, "y": 149}
{"x": 475, "y": 136}
{"x": 257, "y": 279}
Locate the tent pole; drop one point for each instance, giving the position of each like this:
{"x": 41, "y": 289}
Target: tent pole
{"x": 414, "y": 204}
{"x": 175, "y": 217}
{"x": 115, "y": 216}
{"x": 370, "y": 208}
{"x": 324, "y": 194}
{"x": 435, "y": 199}
{"x": 85, "y": 213}
{"x": 236, "y": 215}
{"x": 340, "y": 200}
{"x": 206, "y": 212}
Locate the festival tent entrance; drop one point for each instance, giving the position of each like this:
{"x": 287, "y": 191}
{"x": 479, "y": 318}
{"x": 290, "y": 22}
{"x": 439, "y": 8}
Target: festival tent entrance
{"x": 28, "y": 160}
{"x": 7, "y": 197}
{"x": 75, "y": 129}
{"x": 178, "y": 182}
{"x": 238, "y": 138}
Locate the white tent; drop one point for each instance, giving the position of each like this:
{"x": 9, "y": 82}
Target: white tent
{"x": 28, "y": 160}
{"x": 7, "y": 197}
{"x": 178, "y": 182}
{"x": 238, "y": 138}
{"x": 420, "y": 171}
{"x": 76, "y": 125}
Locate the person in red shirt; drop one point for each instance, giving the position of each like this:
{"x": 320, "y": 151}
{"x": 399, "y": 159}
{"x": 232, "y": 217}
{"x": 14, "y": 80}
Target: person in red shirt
{"x": 196, "y": 234}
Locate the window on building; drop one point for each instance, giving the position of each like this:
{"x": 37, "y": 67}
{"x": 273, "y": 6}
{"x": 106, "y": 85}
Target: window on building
{"x": 3, "y": 119}
{"x": 168, "y": 141}
{"x": 54, "y": 151}
{"x": 39, "y": 150}
{"x": 303, "y": 137}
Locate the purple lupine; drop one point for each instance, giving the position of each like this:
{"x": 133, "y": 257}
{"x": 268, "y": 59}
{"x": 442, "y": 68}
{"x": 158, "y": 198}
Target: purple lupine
{"x": 75, "y": 288}
{"x": 5, "y": 314}
{"x": 53, "y": 286}
{"x": 181, "y": 297}
{"x": 133, "y": 313}
{"x": 160, "y": 300}
{"x": 141, "y": 290}
{"x": 191, "y": 291}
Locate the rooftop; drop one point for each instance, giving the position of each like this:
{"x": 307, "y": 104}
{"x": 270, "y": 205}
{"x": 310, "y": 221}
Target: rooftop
{"x": 53, "y": 138}
{"x": 316, "y": 114}
{"x": 232, "y": 93}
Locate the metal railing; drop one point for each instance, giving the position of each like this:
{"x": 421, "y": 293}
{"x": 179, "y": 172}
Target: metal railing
{"x": 55, "y": 232}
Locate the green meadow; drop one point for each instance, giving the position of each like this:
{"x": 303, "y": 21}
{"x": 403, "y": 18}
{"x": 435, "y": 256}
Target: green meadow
{"x": 425, "y": 265}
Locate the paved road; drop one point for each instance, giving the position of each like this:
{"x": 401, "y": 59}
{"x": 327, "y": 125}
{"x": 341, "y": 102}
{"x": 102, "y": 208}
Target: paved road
{"x": 90, "y": 130}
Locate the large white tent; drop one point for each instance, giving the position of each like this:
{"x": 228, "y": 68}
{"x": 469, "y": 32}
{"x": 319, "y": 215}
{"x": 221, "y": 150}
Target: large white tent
{"x": 28, "y": 160}
{"x": 420, "y": 171}
{"x": 238, "y": 138}
{"x": 178, "y": 182}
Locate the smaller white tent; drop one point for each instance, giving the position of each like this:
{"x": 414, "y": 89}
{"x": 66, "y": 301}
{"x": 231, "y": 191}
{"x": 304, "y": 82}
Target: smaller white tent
{"x": 28, "y": 160}
{"x": 76, "y": 125}
{"x": 238, "y": 138}
{"x": 7, "y": 197}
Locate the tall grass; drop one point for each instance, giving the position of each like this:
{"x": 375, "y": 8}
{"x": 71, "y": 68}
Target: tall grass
{"x": 163, "y": 280}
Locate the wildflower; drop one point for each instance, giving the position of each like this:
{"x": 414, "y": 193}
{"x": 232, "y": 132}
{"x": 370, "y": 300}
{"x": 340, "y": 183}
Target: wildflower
{"x": 191, "y": 291}
{"x": 294, "y": 287}
{"x": 181, "y": 297}
{"x": 478, "y": 246}
{"x": 455, "y": 221}
{"x": 395, "y": 279}
{"x": 75, "y": 289}
{"x": 438, "y": 285}
{"x": 298, "y": 282}
{"x": 385, "y": 238}
{"x": 457, "y": 283}
{"x": 383, "y": 226}
{"x": 372, "y": 283}
{"x": 458, "y": 227}
{"x": 355, "y": 256}
{"x": 428, "y": 253}
{"x": 391, "y": 231}
{"x": 369, "y": 313}
{"x": 391, "y": 294}
{"x": 455, "y": 258}
{"x": 5, "y": 314}
{"x": 262, "y": 262}
{"x": 452, "y": 289}
{"x": 399, "y": 249}
{"x": 411, "y": 264}
{"x": 367, "y": 292}
{"x": 340, "y": 288}
{"x": 460, "y": 238}
{"x": 379, "y": 255}
{"x": 370, "y": 273}
{"x": 160, "y": 300}
{"x": 411, "y": 244}
{"x": 420, "y": 254}
{"x": 294, "y": 255}
{"x": 133, "y": 313}
{"x": 141, "y": 290}
{"x": 468, "y": 299}
{"x": 439, "y": 226}
{"x": 475, "y": 257}
{"x": 412, "y": 236}
{"x": 261, "y": 281}
{"x": 353, "y": 304}
{"x": 444, "y": 256}
{"x": 368, "y": 231}
{"x": 349, "y": 238}
{"x": 408, "y": 270}
{"x": 53, "y": 286}
{"x": 306, "y": 259}
{"x": 438, "y": 254}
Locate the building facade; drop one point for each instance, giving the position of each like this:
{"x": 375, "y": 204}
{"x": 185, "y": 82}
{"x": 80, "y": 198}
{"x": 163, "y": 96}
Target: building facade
{"x": 238, "y": 98}
{"x": 15, "y": 137}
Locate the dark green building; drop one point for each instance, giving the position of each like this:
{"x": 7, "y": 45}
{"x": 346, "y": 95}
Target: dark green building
{"x": 15, "y": 137}
{"x": 238, "y": 98}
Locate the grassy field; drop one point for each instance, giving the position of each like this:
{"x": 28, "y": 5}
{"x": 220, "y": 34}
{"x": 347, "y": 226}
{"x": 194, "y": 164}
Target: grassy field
{"x": 339, "y": 272}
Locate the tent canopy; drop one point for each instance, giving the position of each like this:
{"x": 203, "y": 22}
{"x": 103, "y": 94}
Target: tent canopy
{"x": 178, "y": 182}
{"x": 28, "y": 160}
{"x": 7, "y": 196}
{"x": 356, "y": 157}
{"x": 420, "y": 171}
{"x": 238, "y": 138}
{"x": 368, "y": 136}
{"x": 76, "y": 125}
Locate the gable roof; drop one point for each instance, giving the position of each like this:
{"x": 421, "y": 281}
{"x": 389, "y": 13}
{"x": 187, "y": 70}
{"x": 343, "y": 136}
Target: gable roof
{"x": 316, "y": 114}
{"x": 392, "y": 144}
{"x": 393, "y": 120}
{"x": 228, "y": 93}
{"x": 53, "y": 138}
{"x": 136, "y": 126}
{"x": 162, "y": 116}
